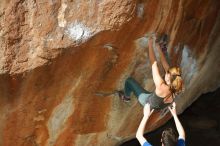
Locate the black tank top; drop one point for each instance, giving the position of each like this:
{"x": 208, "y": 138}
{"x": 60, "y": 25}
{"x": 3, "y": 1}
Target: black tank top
{"x": 156, "y": 102}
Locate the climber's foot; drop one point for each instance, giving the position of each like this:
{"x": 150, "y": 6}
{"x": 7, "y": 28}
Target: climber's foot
{"x": 122, "y": 96}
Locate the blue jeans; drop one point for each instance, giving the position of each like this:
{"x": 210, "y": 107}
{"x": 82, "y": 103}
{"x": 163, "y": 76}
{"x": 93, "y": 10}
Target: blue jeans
{"x": 132, "y": 85}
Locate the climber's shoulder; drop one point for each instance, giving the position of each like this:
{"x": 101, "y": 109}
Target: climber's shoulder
{"x": 162, "y": 90}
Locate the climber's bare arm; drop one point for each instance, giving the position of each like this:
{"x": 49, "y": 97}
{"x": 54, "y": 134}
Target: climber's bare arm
{"x": 163, "y": 58}
{"x": 140, "y": 131}
{"x": 179, "y": 126}
{"x": 151, "y": 51}
{"x": 158, "y": 81}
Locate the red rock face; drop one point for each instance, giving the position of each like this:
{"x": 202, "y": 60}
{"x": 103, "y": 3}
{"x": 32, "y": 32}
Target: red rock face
{"x": 55, "y": 55}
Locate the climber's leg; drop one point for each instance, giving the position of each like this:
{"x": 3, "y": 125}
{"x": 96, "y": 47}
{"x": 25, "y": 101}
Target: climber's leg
{"x": 132, "y": 85}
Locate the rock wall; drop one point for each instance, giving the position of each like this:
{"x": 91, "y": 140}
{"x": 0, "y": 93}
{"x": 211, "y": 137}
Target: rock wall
{"x": 56, "y": 54}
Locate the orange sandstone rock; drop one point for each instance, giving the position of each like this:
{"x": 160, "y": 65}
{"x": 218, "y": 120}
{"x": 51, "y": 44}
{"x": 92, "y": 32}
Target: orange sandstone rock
{"x": 55, "y": 55}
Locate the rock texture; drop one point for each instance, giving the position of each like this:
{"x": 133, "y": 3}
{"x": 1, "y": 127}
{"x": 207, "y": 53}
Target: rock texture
{"x": 56, "y": 54}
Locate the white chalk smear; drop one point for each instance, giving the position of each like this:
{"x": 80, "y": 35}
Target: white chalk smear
{"x": 78, "y": 32}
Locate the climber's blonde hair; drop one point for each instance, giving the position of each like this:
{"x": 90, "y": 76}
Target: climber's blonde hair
{"x": 175, "y": 71}
{"x": 176, "y": 80}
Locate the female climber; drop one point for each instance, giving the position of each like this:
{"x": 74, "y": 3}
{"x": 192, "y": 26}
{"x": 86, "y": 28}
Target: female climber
{"x": 166, "y": 88}
{"x": 168, "y": 138}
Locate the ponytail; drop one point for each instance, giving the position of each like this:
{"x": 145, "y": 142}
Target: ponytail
{"x": 176, "y": 86}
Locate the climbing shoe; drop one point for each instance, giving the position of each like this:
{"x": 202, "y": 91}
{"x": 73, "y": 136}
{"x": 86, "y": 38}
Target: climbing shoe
{"x": 122, "y": 96}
